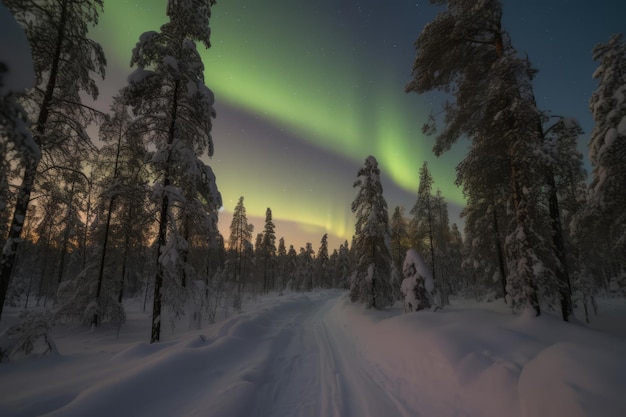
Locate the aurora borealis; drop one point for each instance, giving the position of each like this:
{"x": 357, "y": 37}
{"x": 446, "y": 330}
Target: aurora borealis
{"x": 305, "y": 91}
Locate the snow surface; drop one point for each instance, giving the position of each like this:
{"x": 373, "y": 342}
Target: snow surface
{"x": 15, "y": 55}
{"x": 317, "y": 354}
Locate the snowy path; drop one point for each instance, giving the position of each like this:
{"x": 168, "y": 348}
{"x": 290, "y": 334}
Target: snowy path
{"x": 317, "y": 354}
{"x": 290, "y": 358}
{"x": 319, "y": 373}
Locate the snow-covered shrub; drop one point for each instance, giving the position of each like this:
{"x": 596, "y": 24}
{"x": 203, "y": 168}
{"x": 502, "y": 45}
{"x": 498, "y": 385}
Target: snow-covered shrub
{"x": 76, "y": 301}
{"x": 418, "y": 285}
{"x": 30, "y": 335}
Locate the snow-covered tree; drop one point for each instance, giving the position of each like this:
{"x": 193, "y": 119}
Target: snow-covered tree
{"x": 465, "y": 52}
{"x": 606, "y": 196}
{"x": 268, "y": 252}
{"x": 371, "y": 279}
{"x": 64, "y": 60}
{"x": 291, "y": 268}
{"x": 418, "y": 286}
{"x": 306, "y": 268}
{"x": 240, "y": 238}
{"x": 344, "y": 266}
{"x": 322, "y": 265}
{"x": 173, "y": 106}
{"x": 281, "y": 265}
{"x": 400, "y": 241}
{"x": 122, "y": 200}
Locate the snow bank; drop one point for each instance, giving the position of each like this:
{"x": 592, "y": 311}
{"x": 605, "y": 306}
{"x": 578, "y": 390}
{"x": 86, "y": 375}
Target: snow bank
{"x": 216, "y": 372}
{"x": 484, "y": 363}
{"x": 320, "y": 355}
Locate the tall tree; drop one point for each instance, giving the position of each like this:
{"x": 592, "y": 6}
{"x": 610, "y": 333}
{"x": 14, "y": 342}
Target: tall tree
{"x": 607, "y": 149}
{"x": 399, "y": 237}
{"x": 424, "y": 216}
{"x": 466, "y": 52}
{"x": 370, "y": 282}
{"x": 175, "y": 109}
{"x": 64, "y": 59}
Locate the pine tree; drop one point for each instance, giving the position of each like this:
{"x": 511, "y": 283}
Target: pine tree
{"x": 268, "y": 251}
{"x": 607, "y": 149}
{"x": 399, "y": 237}
{"x": 466, "y": 52}
{"x": 64, "y": 60}
{"x": 305, "y": 268}
{"x": 291, "y": 267}
{"x": 322, "y": 263}
{"x": 344, "y": 266}
{"x": 281, "y": 265}
{"x": 167, "y": 93}
{"x": 239, "y": 240}
{"x": 370, "y": 282}
{"x": 424, "y": 213}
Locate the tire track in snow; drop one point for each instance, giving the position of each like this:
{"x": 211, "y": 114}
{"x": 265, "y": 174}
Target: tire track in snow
{"x": 318, "y": 371}
{"x": 364, "y": 392}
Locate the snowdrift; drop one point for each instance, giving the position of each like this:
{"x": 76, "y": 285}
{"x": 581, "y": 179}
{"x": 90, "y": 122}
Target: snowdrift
{"x": 482, "y": 363}
{"x": 320, "y": 355}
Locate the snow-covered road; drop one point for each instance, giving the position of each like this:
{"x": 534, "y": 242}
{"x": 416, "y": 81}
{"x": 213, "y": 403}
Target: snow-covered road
{"x": 317, "y": 354}
{"x": 316, "y": 371}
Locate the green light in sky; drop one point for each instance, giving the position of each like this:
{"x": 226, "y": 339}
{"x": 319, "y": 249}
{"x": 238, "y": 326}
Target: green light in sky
{"x": 306, "y": 75}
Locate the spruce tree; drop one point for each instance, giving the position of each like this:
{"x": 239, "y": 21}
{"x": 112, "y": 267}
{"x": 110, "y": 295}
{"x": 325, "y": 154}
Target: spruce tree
{"x": 399, "y": 237}
{"x": 238, "y": 241}
{"x": 268, "y": 252}
{"x": 424, "y": 213}
{"x": 607, "y": 149}
{"x": 371, "y": 280}
{"x": 322, "y": 263}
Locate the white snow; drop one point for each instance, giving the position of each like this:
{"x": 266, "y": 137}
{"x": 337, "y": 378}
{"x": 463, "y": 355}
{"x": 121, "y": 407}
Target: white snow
{"x": 15, "y": 55}
{"x": 317, "y": 354}
{"x": 413, "y": 258}
{"x": 139, "y": 75}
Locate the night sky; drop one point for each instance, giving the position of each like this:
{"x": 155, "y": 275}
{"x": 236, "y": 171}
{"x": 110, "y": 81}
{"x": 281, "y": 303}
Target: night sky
{"x": 306, "y": 90}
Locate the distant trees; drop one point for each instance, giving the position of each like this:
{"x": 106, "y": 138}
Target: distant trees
{"x": 123, "y": 198}
{"x": 322, "y": 261}
{"x": 370, "y": 282}
{"x": 239, "y": 242}
{"x": 267, "y": 252}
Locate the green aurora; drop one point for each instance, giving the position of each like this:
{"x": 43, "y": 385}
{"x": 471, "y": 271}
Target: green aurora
{"x": 312, "y": 78}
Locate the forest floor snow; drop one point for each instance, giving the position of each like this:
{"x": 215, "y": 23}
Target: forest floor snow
{"x": 317, "y": 354}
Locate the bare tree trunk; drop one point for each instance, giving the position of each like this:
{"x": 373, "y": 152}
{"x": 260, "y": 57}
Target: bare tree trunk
{"x": 499, "y": 251}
